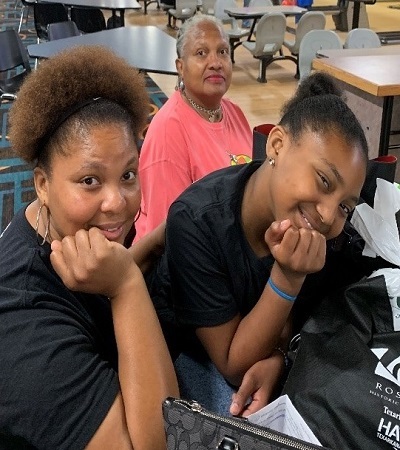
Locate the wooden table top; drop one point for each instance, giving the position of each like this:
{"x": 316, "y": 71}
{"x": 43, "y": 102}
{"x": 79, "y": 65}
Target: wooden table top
{"x": 378, "y": 75}
{"x": 383, "y": 50}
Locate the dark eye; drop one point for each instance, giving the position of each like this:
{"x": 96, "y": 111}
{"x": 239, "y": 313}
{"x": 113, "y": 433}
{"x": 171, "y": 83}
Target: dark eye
{"x": 224, "y": 51}
{"x": 325, "y": 182}
{"x": 347, "y": 210}
{"x": 201, "y": 52}
{"x": 130, "y": 175}
{"x": 90, "y": 181}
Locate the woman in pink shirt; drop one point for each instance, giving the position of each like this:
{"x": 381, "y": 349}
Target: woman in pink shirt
{"x": 197, "y": 131}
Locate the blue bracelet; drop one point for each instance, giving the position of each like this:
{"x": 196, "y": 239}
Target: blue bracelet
{"x": 290, "y": 298}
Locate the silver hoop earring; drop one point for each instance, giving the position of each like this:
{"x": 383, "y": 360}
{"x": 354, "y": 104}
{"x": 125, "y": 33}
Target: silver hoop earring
{"x": 47, "y": 229}
{"x": 271, "y": 162}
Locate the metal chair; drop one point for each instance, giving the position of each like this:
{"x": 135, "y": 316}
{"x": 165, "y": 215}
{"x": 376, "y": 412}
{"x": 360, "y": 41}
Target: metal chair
{"x": 271, "y": 29}
{"x": 183, "y": 10}
{"x": 235, "y": 32}
{"x": 46, "y": 13}
{"x": 88, "y": 20}
{"x": 311, "y": 20}
{"x": 362, "y": 38}
{"x": 60, "y": 30}
{"x": 14, "y": 64}
{"x": 313, "y": 41}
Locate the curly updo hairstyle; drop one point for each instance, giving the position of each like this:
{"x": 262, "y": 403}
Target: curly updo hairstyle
{"x": 71, "y": 92}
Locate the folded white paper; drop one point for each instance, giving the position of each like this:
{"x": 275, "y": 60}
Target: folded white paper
{"x": 282, "y": 416}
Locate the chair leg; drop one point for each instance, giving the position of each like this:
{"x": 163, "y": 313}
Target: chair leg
{"x": 21, "y": 18}
{"x": 264, "y": 63}
{"x": 297, "y": 75}
{"x": 234, "y": 43}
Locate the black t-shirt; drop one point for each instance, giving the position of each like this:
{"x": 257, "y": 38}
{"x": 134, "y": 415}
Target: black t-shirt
{"x": 58, "y": 376}
{"x": 208, "y": 272}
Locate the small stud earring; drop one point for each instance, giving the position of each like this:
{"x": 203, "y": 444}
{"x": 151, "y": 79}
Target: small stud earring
{"x": 271, "y": 162}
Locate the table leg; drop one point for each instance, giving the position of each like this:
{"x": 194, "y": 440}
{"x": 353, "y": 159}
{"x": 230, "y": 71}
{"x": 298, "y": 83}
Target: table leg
{"x": 386, "y": 125}
{"x": 114, "y": 18}
{"x": 356, "y": 14}
{"x": 253, "y": 25}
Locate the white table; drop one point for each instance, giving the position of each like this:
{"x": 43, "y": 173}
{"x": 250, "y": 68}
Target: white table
{"x": 145, "y": 47}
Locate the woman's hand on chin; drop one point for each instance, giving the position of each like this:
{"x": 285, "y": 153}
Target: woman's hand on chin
{"x": 88, "y": 262}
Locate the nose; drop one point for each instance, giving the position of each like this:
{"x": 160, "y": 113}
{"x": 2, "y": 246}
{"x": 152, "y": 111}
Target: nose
{"x": 214, "y": 60}
{"x": 113, "y": 199}
{"x": 328, "y": 211}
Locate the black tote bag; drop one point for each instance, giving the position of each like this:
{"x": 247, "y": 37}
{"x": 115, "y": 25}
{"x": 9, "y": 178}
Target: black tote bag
{"x": 345, "y": 379}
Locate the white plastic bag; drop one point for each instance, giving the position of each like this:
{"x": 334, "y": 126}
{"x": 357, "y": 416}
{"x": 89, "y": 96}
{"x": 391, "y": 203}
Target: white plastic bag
{"x": 377, "y": 226}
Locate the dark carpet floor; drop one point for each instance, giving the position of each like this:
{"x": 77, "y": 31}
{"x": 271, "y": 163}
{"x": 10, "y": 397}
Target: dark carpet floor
{"x": 16, "y": 184}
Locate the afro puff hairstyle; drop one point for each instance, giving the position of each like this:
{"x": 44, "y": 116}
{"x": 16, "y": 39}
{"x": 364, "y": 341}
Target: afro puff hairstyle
{"x": 69, "y": 78}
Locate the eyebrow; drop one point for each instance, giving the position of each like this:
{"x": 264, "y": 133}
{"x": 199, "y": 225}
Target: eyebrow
{"x": 96, "y": 165}
{"x": 338, "y": 176}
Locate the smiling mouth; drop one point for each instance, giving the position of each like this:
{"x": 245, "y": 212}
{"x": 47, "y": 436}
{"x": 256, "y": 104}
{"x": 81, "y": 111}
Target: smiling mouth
{"x": 112, "y": 233}
{"x": 306, "y": 221}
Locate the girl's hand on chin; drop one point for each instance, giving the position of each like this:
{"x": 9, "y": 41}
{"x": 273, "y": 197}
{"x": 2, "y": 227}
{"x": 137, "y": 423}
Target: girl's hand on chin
{"x": 301, "y": 251}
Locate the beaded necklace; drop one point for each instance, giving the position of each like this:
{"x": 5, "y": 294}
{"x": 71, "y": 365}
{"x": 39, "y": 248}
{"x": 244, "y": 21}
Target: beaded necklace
{"x": 212, "y": 113}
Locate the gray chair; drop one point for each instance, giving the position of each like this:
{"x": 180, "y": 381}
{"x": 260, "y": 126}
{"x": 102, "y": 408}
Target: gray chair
{"x": 207, "y": 7}
{"x": 362, "y": 38}
{"x": 259, "y": 3}
{"x": 14, "y": 64}
{"x": 311, "y": 20}
{"x": 271, "y": 30}
{"x": 183, "y": 10}
{"x": 46, "y": 13}
{"x": 235, "y": 32}
{"x": 60, "y": 30}
{"x": 313, "y": 41}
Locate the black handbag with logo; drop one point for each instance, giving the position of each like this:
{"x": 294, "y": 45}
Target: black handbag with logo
{"x": 345, "y": 379}
{"x": 189, "y": 426}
